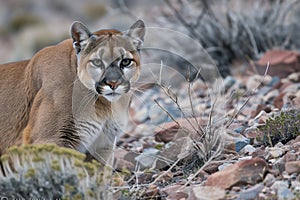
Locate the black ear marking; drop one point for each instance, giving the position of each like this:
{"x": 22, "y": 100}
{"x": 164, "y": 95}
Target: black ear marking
{"x": 80, "y": 34}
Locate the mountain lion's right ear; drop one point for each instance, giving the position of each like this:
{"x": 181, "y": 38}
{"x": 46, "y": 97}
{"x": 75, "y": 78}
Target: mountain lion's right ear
{"x": 80, "y": 34}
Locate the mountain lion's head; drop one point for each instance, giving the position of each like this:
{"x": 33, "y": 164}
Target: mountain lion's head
{"x": 108, "y": 60}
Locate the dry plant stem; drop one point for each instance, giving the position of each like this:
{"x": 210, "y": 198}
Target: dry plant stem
{"x": 173, "y": 97}
{"x": 248, "y": 99}
{"x": 169, "y": 114}
{"x": 123, "y": 7}
{"x": 182, "y": 20}
{"x": 169, "y": 170}
{"x": 192, "y": 107}
{"x": 196, "y": 174}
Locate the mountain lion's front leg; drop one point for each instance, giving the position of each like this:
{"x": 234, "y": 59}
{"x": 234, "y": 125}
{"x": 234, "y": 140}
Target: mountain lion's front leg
{"x": 44, "y": 120}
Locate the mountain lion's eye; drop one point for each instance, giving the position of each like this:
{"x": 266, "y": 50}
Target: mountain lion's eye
{"x": 97, "y": 62}
{"x": 126, "y": 62}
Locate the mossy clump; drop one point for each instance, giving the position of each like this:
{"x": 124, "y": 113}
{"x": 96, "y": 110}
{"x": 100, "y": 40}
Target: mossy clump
{"x": 51, "y": 172}
{"x": 281, "y": 128}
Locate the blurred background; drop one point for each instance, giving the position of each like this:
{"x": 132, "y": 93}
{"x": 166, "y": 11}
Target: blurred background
{"x": 234, "y": 33}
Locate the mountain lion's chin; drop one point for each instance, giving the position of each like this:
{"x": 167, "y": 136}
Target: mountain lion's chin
{"x": 112, "y": 97}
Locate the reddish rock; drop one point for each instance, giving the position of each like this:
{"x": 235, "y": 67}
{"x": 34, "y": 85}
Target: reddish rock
{"x": 151, "y": 191}
{"x": 121, "y": 162}
{"x": 171, "y": 130}
{"x": 284, "y": 86}
{"x": 259, "y": 108}
{"x": 241, "y": 173}
{"x": 292, "y": 167}
{"x": 278, "y": 101}
{"x": 296, "y": 100}
{"x": 290, "y": 156}
{"x": 282, "y": 63}
{"x": 176, "y": 192}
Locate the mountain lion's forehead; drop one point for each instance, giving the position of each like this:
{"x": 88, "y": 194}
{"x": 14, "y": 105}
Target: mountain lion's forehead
{"x": 106, "y": 53}
{"x": 110, "y": 42}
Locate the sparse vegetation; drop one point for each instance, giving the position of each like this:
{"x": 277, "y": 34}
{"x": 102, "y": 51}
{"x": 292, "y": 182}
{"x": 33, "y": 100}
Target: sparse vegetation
{"x": 282, "y": 127}
{"x": 39, "y": 171}
{"x": 230, "y": 32}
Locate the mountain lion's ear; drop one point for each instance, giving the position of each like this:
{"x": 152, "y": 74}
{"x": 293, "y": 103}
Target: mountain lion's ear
{"x": 137, "y": 32}
{"x": 80, "y": 34}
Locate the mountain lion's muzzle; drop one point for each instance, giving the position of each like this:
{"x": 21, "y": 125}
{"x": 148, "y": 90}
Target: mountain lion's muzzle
{"x": 112, "y": 83}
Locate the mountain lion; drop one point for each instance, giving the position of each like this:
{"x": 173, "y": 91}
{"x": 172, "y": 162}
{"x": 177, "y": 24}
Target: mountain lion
{"x": 74, "y": 94}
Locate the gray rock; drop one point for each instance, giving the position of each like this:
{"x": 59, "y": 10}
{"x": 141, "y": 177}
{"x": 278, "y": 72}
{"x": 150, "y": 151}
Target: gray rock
{"x": 248, "y": 149}
{"x": 284, "y": 193}
{"x": 223, "y": 166}
{"x": 141, "y": 115}
{"x": 282, "y": 190}
{"x": 274, "y": 81}
{"x": 157, "y": 114}
{"x": 147, "y": 158}
{"x": 241, "y": 143}
{"x": 269, "y": 179}
{"x": 208, "y": 193}
{"x": 251, "y": 193}
{"x": 275, "y": 152}
{"x": 279, "y": 184}
{"x": 271, "y": 95}
{"x": 229, "y": 81}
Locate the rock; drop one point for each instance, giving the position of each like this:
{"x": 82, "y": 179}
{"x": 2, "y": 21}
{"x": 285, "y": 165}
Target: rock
{"x": 207, "y": 193}
{"x": 282, "y": 63}
{"x": 274, "y": 81}
{"x": 212, "y": 167}
{"x": 292, "y": 89}
{"x": 269, "y": 179}
{"x": 224, "y": 166}
{"x": 174, "y": 150}
{"x": 251, "y": 193}
{"x": 141, "y": 115}
{"x": 248, "y": 149}
{"x": 264, "y": 90}
{"x": 282, "y": 190}
{"x": 296, "y": 185}
{"x": 157, "y": 115}
{"x": 144, "y": 130}
{"x": 147, "y": 158}
{"x": 278, "y": 101}
{"x": 290, "y": 156}
{"x": 271, "y": 96}
{"x": 169, "y": 131}
{"x": 241, "y": 173}
{"x": 259, "y": 108}
{"x": 253, "y": 82}
{"x": 228, "y": 82}
{"x": 151, "y": 191}
{"x": 241, "y": 143}
{"x": 296, "y": 100}
{"x": 279, "y": 184}
{"x": 284, "y": 193}
{"x": 294, "y": 77}
{"x": 275, "y": 152}
{"x": 120, "y": 162}
{"x": 292, "y": 167}
{"x": 176, "y": 192}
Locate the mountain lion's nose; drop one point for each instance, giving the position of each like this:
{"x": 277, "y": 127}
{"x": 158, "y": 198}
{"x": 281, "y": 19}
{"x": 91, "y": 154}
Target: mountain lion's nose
{"x": 113, "y": 84}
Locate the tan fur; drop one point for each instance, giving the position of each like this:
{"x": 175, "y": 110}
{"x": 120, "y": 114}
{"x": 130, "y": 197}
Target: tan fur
{"x": 42, "y": 99}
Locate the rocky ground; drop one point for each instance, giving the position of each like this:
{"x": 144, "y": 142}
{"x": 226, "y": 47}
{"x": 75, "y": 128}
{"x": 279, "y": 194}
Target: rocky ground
{"x": 256, "y": 155}
{"x": 185, "y": 142}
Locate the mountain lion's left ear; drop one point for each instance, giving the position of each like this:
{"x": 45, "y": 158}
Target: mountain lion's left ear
{"x": 80, "y": 35}
{"x": 137, "y": 32}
